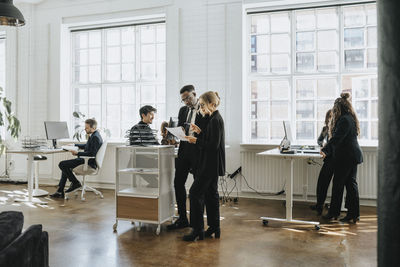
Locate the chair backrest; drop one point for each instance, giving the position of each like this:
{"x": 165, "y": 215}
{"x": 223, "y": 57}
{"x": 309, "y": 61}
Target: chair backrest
{"x": 100, "y": 154}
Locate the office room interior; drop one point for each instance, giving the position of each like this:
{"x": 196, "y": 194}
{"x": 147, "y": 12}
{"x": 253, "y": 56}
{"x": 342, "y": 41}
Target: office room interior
{"x": 93, "y": 73}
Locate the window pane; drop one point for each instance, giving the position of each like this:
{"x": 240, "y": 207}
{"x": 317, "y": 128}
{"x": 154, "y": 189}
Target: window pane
{"x": 305, "y": 130}
{"x": 81, "y": 57}
{"x": 371, "y": 14}
{"x": 161, "y": 52}
{"x": 305, "y": 20}
{"x": 94, "y": 57}
{"x": 259, "y": 129}
{"x": 259, "y": 110}
{"x": 363, "y": 130}
{"x": 81, "y": 74}
{"x": 353, "y": 38}
{"x": 354, "y": 59}
{"x": 305, "y": 89}
{"x": 81, "y": 96}
{"x": 113, "y": 95}
{"x": 280, "y": 43}
{"x": 113, "y": 37}
{"x": 374, "y": 130}
{"x": 113, "y": 72}
{"x": 161, "y": 33}
{"x": 372, "y": 61}
{"x": 362, "y": 109}
{"x": 148, "y": 53}
{"x": 374, "y": 109}
{"x": 95, "y": 95}
{"x": 305, "y": 110}
{"x": 128, "y": 113}
{"x": 128, "y": 95}
{"x": 305, "y": 61}
{"x": 354, "y": 16}
{"x": 128, "y": 54}
{"x": 259, "y": 89}
{"x": 305, "y": 41}
{"x": 128, "y": 36}
{"x": 327, "y": 40}
{"x": 327, "y": 18}
{"x": 372, "y": 37}
{"x": 360, "y": 87}
{"x": 147, "y": 34}
{"x": 279, "y": 110}
{"x": 280, "y": 63}
{"x": 113, "y": 55}
{"x": 82, "y": 109}
{"x": 279, "y": 89}
{"x": 148, "y": 71}
{"x": 326, "y": 88}
{"x": 374, "y": 87}
{"x": 161, "y": 70}
{"x": 160, "y": 93}
{"x": 95, "y": 112}
{"x": 81, "y": 40}
{"x": 259, "y": 24}
{"x": 128, "y": 72}
{"x": 94, "y": 74}
{"x": 94, "y": 39}
{"x": 148, "y": 94}
{"x": 259, "y": 63}
{"x": 260, "y": 45}
{"x": 277, "y": 131}
{"x": 280, "y": 22}
{"x": 327, "y": 61}
{"x": 322, "y": 108}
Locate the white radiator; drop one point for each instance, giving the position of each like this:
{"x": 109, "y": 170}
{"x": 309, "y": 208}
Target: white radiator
{"x": 268, "y": 174}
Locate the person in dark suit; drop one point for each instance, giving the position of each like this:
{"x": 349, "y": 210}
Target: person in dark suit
{"x": 326, "y": 172}
{"x": 90, "y": 150}
{"x": 211, "y": 165}
{"x": 187, "y": 153}
{"x": 346, "y": 154}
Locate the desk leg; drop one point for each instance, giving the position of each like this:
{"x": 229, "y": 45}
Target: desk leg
{"x": 30, "y": 176}
{"x": 289, "y": 192}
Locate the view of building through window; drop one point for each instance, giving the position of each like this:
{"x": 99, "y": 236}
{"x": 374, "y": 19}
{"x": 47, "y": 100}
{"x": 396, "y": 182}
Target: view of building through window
{"x": 116, "y": 71}
{"x": 300, "y": 61}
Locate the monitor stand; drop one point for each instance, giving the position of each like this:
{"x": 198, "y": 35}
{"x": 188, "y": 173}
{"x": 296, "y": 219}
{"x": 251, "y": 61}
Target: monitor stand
{"x": 54, "y": 143}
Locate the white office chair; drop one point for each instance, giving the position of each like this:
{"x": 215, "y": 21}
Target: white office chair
{"x": 85, "y": 170}
{"x": 37, "y": 192}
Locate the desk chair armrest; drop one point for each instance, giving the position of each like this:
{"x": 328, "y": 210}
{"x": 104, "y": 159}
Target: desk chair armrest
{"x": 86, "y": 159}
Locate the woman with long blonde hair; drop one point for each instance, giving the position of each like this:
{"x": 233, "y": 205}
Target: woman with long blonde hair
{"x": 211, "y": 165}
{"x": 346, "y": 154}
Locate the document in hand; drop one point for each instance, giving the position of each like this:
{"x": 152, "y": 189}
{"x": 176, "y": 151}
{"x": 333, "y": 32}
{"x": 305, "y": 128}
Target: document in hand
{"x": 70, "y": 148}
{"x": 178, "y": 132}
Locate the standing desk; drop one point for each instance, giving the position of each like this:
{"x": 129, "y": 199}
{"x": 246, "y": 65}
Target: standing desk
{"x": 30, "y": 153}
{"x": 289, "y": 184}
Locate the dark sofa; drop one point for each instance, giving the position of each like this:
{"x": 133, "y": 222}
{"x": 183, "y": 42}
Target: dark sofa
{"x": 22, "y": 249}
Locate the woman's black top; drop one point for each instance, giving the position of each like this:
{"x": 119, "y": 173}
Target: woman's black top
{"x": 343, "y": 145}
{"x": 323, "y": 136}
{"x": 211, "y": 143}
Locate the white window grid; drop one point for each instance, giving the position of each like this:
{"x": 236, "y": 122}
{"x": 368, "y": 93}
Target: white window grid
{"x": 118, "y": 125}
{"x": 294, "y": 75}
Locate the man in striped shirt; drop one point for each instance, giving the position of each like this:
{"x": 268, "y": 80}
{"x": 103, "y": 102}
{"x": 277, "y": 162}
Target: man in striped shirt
{"x": 141, "y": 133}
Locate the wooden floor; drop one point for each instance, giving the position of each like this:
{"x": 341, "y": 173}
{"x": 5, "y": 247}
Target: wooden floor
{"x": 81, "y": 234}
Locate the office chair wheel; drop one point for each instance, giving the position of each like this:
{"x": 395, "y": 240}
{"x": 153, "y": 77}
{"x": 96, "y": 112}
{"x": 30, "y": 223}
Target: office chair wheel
{"x": 158, "y": 230}
{"x": 101, "y": 196}
{"x": 83, "y": 199}
{"x": 317, "y": 227}
{"x": 265, "y": 222}
{"x": 115, "y": 226}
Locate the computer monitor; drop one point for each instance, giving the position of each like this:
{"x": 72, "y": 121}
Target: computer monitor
{"x": 288, "y": 131}
{"x": 56, "y": 130}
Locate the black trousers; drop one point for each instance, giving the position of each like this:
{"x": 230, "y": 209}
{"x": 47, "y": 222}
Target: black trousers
{"x": 204, "y": 191}
{"x": 324, "y": 179}
{"x": 345, "y": 175}
{"x": 66, "y": 167}
{"x": 185, "y": 163}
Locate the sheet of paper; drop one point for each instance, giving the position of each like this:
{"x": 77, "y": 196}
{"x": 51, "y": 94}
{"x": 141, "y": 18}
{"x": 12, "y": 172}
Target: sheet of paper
{"x": 70, "y": 148}
{"x": 178, "y": 132}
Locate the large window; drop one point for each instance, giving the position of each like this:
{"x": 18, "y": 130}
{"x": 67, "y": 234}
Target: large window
{"x": 2, "y": 60}
{"x": 116, "y": 71}
{"x": 298, "y": 63}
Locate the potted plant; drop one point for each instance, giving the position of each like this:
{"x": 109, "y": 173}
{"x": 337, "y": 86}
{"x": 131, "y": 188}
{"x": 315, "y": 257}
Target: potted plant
{"x": 80, "y": 128}
{"x": 8, "y": 118}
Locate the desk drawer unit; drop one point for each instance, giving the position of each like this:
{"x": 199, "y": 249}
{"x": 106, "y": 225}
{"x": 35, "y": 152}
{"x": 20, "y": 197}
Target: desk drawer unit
{"x": 137, "y": 208}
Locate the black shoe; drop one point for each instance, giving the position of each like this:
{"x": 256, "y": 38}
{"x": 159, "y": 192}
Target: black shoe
{"x": 317, "y": 208}
{"x": 211, "y": 230}
{"x": 178, "y": 224}
{"x": 58, "y": 195}
{"x": 349, "y": 218}
{"x": 73, "y": 187}
{"x": 329, "y": 216}
{"x": 194, "y": 235}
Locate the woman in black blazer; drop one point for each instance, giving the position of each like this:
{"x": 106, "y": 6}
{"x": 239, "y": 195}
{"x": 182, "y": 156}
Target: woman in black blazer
{"x": 345, "y": 151}
{"x": 211, "y": 164}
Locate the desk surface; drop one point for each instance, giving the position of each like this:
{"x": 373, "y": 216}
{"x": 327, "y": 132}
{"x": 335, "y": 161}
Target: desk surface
{"x": 36, "y": 151}
{"x": 276, "y": 153}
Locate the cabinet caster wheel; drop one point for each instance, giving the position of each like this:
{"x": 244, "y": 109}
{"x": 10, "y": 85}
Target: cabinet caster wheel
{"x": 317, "y": 227}
{"x": 158, "y": 230}
{"x": 265, "y": 222}
{"x": 115, "y": 227}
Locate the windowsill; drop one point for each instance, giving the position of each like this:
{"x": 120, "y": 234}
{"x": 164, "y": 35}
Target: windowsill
{"x": 109, "y": 141}
{"x": 363, "y": 144}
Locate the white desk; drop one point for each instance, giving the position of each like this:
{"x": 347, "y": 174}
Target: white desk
{"x": 30, "y": 153}
{"x": 289, "y": 184}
